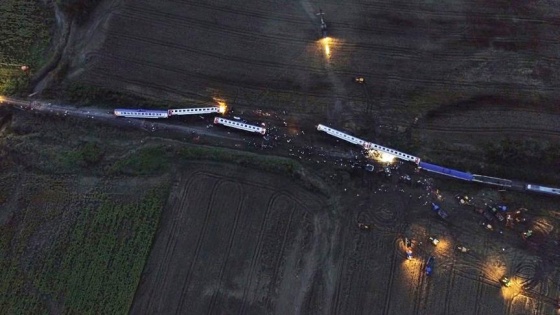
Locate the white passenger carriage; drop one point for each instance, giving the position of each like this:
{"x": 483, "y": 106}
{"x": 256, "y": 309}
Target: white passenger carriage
{"x": 341, "y": 135}
{"x": 367, "y": 145}
{"x": 543, "y": 189}
{"x": 140, "y": 113}
{"x": 397, "y": 154}
{"x": 239, "y": 125}
{"x": 194, "y": 111}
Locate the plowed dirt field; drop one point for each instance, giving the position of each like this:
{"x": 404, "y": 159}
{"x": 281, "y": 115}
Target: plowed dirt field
{"x": 267, "y": 55}
{"x": 236, "y": 241}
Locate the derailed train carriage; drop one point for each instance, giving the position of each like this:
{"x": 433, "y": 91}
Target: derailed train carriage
{"x": 141, "y": 113}
{"x": 543, "y": 189}
{"x": 239, "y": 125}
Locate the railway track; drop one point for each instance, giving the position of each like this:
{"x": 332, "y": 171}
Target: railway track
{"x": 490, "y": 130}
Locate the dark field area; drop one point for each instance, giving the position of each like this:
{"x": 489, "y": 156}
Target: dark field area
{"x": 444, "y": 79}
{"x": 467, "y": 84}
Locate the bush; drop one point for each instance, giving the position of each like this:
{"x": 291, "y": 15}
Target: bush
{"x": 145, "y": 161}
{"x": 91, "y": 153}
{"x": 14, "y": 84}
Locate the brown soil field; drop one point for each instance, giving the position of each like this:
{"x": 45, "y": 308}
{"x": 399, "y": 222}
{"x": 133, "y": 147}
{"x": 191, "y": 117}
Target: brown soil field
{"x": 446, "y": 76}
{"x": 239, "y": 241}
{"x": 266, "y": 55}
{"x": 235, "y": 241}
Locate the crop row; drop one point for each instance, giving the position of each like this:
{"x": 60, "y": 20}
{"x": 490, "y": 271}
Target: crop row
{"x": 93, "y": 267}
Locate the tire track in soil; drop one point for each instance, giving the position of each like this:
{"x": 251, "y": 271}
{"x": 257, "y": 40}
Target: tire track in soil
{"x": 353, "y": 258}
{"x": 167, "y": 18}
{"x": 391, "y": 6}
{"x": 480, "y": 279}
{"x": 343, "y": 47}
{"x": 109, "y": 72}
{"x": 483, "y": 130}
{"x": 171, "y": 245}
{"x": 105, "y": 74}
{"x": 199, "y": 242}
{"x": 341, "y": 266}
{"x": 281, "y": 253}
{"x": 241, "y": 192}
{"x": 390, "y": 281}
{"x": 172, "y": 20}
{"x": 451, "y": 113}
{"x": 265, "y": 15}
{"x": 526, "y": 271}
{"x": 387, "y": 221}
{"x": 509, "y": 305}
{"x": 450, "y": 283}
{"x": 373, "y": 29}
{"x": 258, "y": 249}
{"x": 362, "y": 239}
{"x": 419, "y": 289}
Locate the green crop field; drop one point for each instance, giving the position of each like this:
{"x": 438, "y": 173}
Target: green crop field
{"x": 24, "y": 37}
{"x": 92, "y": 265}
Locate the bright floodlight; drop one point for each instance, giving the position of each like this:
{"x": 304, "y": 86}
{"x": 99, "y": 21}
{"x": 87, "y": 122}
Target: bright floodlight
{"x": 222, "y": 107}
{"x": 381, "y": 156}
{"x": 326, "y": 44}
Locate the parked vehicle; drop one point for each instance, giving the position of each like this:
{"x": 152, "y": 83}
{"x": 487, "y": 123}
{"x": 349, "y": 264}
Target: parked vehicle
{"x": 430, "y": 265}
{"x": 505, "y": 281}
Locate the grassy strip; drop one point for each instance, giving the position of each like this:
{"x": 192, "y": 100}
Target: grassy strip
{"x": 157, "y": 159}
{"x": 24, "y": 38}
{"x": 81, "y": 94}
{"x": 93, "y": 268}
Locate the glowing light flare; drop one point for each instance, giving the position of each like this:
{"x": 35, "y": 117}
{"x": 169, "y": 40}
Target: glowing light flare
{"x": 494, "y": 269}
{"x": 2, "y": 99}
{"x": 326, "y": 42}
{"x": 514, "y": 289}
{"x": 443, "y": 247}
{"x": 411, "y": 268}
{"x": 381, "y": 156}
{"x": 222, "y": 106}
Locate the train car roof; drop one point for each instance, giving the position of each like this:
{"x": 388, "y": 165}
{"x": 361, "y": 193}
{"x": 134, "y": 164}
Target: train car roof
{"x": 142, "y": 110}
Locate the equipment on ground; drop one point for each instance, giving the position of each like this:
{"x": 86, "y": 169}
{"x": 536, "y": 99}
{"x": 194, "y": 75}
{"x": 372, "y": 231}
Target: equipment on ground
{"x": 364, "y": 227}
{"x": 359, "y": 80}
{"x": 442, "y": 213}
{"x": 430, "y": 265}
{"x": 407, "y": 242}
{"x": 323, "y": 24}
{"x": 434, "y": 241}
{"x": 505, "y": 281}
{"x": 408, "y": 254}
{"x": 408, "y": 245}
